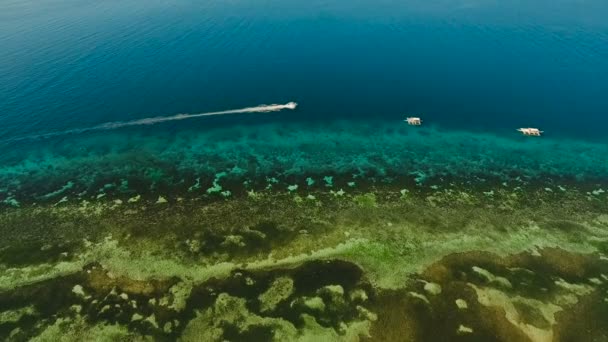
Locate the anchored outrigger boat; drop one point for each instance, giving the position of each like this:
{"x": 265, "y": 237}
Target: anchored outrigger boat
{"x": 413, "y": 121}
{"x": 530, "y": 131}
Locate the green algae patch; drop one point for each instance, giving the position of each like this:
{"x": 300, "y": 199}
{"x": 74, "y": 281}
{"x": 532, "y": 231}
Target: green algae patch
{"x": 314, "y": 304}
{"x": 292, "y": 318}
{"x": 366, "y": 200}
{"x": 78, "y": 330}
{"x": 536, "y": 307}
{"x": 13, "y": 316}
{"x": 279, "y": 291}
{"x": 387, "y": 264}
{"x": 178, "y": 295}
{"x": 96, "y": 303}
{"x": 232, "y": 313}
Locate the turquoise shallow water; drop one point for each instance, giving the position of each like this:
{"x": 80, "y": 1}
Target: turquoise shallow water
{"x": 194, "y": 162}
{"x": 475, "y": 71}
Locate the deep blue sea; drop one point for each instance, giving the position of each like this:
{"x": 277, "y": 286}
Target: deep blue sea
{"x": 488, "y": 64}
{"x": 479, "y": 66}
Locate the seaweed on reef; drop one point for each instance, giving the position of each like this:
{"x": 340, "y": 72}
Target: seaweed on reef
{"x": 35, "y": 252}
{"x": 483, "y": 297}
{"x": 47, "y": 298}
{"x": 151, "y": 308}
{"x": 314, "y": 261}
{"x": 238, "y": 242}
{"x": 586, "y": 320}
{"x": 564, "y": 225}
{"x": 253, "y": 333}
{"x": 309, "y": 280}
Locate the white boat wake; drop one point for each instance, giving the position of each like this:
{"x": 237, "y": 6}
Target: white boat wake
{"x": 160, "y": 119}
{"x": 155, "y": 120}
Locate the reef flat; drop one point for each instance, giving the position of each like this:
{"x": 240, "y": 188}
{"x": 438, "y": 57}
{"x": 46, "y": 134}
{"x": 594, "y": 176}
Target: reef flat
{"x": 379, "y": 265}
{"x": 335, "y": 154}
{"x": 329, "y": 234}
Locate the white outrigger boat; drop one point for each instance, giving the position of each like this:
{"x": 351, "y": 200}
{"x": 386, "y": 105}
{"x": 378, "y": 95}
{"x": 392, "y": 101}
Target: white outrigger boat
{"x": 413, "y": 121}
{"x": 530, "y": 131}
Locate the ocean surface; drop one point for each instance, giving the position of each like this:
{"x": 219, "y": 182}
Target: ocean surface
{"x": 469, "y": 64}
{"x": 155, "y": 182}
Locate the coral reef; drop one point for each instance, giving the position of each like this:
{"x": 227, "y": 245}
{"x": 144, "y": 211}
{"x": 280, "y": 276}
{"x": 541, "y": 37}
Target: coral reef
{"x": 512, "y": 266}
{"x": 218, "y": 163}
{"x": 296, "y": 236}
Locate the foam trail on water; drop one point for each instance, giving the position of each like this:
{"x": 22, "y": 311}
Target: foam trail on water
{"x": 155, "y": 120}
{"x": 160, "y": 119}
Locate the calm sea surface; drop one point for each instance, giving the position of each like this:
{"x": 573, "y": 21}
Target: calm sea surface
{"x": 490, "y": 65}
